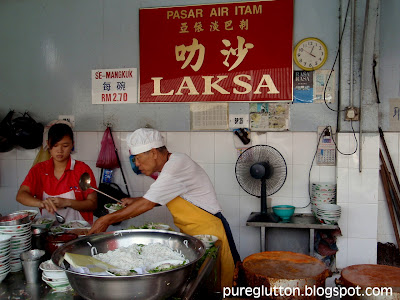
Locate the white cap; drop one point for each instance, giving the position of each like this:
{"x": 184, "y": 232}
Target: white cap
{"x": 143, "y": 140}
{"x": 47, "y": 128}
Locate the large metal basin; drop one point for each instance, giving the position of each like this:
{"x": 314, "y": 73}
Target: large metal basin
{"x": 149, "y": 286}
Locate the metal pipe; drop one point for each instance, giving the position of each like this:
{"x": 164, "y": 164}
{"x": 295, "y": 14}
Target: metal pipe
{"x": 352, "y": 29}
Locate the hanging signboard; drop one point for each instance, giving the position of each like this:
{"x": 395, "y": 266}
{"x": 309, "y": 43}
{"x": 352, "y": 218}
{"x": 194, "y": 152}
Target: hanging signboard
{"x": 113, "y": 86}
{"x": 218, "y": 52}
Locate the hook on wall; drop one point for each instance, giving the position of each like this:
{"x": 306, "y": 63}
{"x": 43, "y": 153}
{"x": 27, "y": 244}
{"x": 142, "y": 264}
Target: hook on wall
{"x": 108, "y": 124}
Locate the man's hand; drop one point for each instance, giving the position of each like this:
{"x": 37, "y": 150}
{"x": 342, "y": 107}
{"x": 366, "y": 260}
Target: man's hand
{"x": 127, "y": 201}
{"x": 100, "y": 225}
{"x": 135, "y": 207}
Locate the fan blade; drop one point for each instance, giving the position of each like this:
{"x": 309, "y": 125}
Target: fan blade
{"x": 262, "y": 154}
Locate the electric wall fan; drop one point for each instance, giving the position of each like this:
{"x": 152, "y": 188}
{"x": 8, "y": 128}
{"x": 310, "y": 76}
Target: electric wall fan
{"x": 261, "y": 171}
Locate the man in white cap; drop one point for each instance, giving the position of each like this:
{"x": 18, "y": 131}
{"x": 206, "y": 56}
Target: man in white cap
{"x": 186, "y": 190}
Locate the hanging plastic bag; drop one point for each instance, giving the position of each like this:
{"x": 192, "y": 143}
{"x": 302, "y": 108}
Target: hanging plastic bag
{"x": 41, "y": 156}
{"x": 107, "y": 157}
{"x": 7, "y": 133}
{"x": 27, "y": 132}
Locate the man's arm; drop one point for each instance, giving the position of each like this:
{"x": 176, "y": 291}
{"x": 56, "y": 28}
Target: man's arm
{"x": 136, "y": 207}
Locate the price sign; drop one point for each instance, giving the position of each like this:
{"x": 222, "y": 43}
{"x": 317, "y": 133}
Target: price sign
{"x": 114, "y": 86}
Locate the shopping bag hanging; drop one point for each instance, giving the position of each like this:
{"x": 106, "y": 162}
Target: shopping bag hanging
{"x": 107, "y": 158}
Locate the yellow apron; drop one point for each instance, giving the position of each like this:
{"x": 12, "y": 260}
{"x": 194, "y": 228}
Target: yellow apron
{"x": 193, "y": 220}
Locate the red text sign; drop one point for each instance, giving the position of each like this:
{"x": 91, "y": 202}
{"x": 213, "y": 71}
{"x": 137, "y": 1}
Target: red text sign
{"x": 221, "y": 52}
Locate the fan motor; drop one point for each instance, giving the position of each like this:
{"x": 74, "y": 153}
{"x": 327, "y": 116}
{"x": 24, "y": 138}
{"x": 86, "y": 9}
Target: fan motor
{"x": 261, "y": 170}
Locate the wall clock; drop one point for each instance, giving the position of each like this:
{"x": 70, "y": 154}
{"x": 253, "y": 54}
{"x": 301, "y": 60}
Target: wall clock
{"x": 310, "y": 54}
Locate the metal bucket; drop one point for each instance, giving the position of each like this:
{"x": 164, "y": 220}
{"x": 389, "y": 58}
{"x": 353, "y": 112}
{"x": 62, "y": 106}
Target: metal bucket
{"x": 148, "y": 286}
{"x": 288, "y": 272}
{"x": 380, "y": 278}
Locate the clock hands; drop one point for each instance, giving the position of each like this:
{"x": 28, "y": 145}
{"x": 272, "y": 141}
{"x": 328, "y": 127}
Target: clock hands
{"x": 310, "y": 52}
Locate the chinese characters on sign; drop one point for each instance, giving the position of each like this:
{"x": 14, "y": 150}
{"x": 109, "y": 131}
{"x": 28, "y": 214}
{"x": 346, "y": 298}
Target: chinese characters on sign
{"x": 394, "y": 114}
{"x": 112, "y": 86}
{"x": 238, "y": 121}
{"x": 220, "y": 52}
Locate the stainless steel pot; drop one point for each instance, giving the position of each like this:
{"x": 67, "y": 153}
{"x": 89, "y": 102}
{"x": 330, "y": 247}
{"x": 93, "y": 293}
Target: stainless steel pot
{"x": 149, "y": 286}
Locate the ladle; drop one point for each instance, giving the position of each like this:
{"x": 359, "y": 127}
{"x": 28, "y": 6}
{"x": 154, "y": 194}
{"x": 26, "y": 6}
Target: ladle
{"x": 60, "y": 219}
{"x": 84, "y": 183}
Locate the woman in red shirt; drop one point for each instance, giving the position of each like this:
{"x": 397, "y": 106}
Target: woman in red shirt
{"x": 53, "y": 185}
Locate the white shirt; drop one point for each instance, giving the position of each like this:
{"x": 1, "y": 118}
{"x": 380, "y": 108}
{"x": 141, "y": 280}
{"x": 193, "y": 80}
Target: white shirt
{"x": 181, "y": 176}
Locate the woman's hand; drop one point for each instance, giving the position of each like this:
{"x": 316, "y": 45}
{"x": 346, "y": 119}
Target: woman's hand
{"x": 49, "y": 205}
{"x": 60, "y": 202}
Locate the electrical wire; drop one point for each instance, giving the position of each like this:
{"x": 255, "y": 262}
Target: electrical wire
{"x": 329, "y": 128}
{"x": 355, "y": 138}
{"x": 376, "y": 86}
{"x": 337, "y": 55}
{"x": 312, "y": 163}
{"x": 326, "y": 85}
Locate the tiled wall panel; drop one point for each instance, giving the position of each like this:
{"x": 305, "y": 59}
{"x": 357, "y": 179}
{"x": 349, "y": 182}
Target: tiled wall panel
{"x": 358, "y": 193}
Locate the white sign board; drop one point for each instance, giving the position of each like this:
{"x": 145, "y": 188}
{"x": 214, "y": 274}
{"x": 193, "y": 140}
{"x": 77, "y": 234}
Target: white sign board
{"x": 112, "y": 86}
{"x": 238, "y": 121}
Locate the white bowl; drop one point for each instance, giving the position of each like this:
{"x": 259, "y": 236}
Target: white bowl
{"x": 54, "y": 279}
{"x": 50, "y": 270}
{"x": 72, "y": 225}
{"x": 330, "y": 207}
{"x": 5, "y": 238}
{"x": 207, "y": 239}
{"x": 328, "y": 222}
{"x": 159, "y": 226}
{"x": 112, "y": 207}
{"x": 31, "y": 212}
{"x": 47, "y": 225}
{"x": 5, "y": 247}
{"x": 5, "y": 258}
{"x": 5, "y": 270}
{"x": 4, "y": 265}
{"x": 56, "y": 284}
{"x": 16, "y": 231}
{"x": 3, "y": 276}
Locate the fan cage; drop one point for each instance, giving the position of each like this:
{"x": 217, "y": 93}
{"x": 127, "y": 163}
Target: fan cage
{"x": 257, "y": 154}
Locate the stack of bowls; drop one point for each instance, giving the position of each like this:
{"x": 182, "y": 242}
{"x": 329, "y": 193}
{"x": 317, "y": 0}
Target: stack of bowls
{"x": 322, "y": 193}
{"x": 5, "y": 254}
{"x": 31, "y": 212}
{"x": 53, "y": 276}
{"x": 19, "y": 227}
{"x": 328, "y": 213}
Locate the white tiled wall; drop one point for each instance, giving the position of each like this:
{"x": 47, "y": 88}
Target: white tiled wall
{"x": 215, "y": 152}
{"x": 358, "y": 197}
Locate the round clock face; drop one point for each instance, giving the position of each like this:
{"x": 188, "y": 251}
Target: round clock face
{"x": 310, "y": 54}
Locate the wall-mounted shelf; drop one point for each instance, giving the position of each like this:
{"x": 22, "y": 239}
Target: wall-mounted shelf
{"x": 298, "y": 221}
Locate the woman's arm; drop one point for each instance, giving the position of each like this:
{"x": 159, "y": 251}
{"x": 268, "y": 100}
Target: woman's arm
{"x": 24, "y": 196}
{"x": 88, "y": 204}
